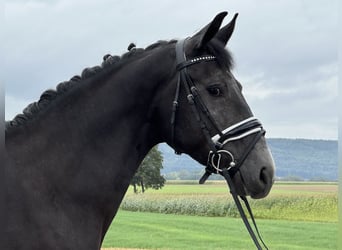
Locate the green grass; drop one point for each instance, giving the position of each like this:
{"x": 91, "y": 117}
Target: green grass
{"x": 294, "y": 216}
{"x": 164, "y": 231}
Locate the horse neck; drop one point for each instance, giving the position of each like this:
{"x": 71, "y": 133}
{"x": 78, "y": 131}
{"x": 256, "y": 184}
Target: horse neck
{"x": 90, "y": 149}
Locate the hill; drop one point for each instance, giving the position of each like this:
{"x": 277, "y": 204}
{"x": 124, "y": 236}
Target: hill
{"x": 295, "y": 159}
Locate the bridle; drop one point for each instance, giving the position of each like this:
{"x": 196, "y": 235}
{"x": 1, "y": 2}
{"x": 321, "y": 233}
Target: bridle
{"x": 217, "y": 142}
{"x": 248, "y": 127}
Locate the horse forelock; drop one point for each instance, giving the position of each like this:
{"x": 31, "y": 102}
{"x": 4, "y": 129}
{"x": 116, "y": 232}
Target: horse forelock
{"x": 223, "y": 56}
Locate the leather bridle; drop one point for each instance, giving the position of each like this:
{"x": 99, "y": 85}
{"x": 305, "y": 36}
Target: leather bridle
{"x": 248, "y": 127}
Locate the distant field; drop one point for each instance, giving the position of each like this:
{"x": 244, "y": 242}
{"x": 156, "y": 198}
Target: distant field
{"x": 287, "y": 201}
{"x": 305, "y": 187}
{"x": 182, "y": 187}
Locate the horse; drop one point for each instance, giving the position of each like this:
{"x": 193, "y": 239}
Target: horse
{"x": 70, "y": 156}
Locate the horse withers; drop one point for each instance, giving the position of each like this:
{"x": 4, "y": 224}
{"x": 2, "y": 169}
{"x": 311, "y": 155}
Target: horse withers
{"x": 70, "y": 156}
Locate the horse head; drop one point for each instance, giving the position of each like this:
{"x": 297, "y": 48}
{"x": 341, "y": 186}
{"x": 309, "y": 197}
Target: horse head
{"x": 207, "y": 116}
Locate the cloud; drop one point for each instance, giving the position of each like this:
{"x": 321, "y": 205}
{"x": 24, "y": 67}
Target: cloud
{"x": 285, "y": 51}
{"x": 289, "y": 105}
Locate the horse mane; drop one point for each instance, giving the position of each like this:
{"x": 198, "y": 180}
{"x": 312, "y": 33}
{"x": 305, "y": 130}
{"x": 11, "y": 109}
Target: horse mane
{"x": 108, "y": 64}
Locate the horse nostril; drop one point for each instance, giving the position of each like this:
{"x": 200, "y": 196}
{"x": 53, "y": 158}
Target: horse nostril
{"x": 263, "y": 176}
{"x": 263, "y": 186}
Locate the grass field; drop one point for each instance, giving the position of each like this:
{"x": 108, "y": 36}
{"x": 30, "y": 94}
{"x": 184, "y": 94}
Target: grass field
{"x": 165, "y": 231}
{"x": 303, "y": 216}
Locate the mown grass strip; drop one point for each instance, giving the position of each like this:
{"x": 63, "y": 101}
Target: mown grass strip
{"x": 161, "y": 231}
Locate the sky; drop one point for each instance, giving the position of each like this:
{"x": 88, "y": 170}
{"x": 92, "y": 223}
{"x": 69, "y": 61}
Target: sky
{"x": 285, "y": 51}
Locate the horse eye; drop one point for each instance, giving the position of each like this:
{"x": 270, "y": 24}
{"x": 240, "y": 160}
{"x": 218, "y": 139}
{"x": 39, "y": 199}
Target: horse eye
{"x": 214, "y": 91}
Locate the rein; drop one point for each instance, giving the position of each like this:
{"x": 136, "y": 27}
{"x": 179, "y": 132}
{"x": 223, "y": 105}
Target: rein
{"x": 242, "y": 129}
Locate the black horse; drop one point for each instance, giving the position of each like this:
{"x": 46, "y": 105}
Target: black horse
{"x": 71, "y": 155}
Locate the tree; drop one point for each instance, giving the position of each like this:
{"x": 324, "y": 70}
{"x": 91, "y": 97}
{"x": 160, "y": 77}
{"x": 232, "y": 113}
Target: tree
{"x": 148, "y": 174}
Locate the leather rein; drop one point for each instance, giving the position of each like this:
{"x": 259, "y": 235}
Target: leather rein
{"x": 242, "y": 129}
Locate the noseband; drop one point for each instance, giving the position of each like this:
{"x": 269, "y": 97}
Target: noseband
{"x": 235, "y": 132}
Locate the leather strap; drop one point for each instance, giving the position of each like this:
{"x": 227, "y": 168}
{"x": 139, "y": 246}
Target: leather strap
{"x": 250, "y": 230}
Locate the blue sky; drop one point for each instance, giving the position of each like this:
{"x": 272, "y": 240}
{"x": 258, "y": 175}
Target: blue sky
{"x": 285, "y": 51}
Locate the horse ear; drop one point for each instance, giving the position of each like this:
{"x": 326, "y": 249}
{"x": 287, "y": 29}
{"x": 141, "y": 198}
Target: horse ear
{"x": 201, "y": 38}
{"x": 226, "y": 32}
